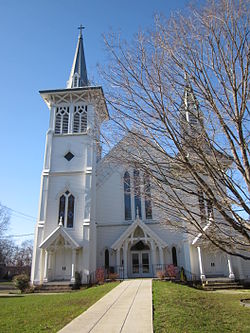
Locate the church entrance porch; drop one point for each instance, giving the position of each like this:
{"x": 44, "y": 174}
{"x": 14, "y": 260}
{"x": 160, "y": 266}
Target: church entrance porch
{"x": 59, "y": 254}
{"x": 138, "y": 251}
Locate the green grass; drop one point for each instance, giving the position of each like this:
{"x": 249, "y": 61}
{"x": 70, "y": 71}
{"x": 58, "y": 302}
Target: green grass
{"x": 46, "y": 313}
{"x": 183, "y": 309}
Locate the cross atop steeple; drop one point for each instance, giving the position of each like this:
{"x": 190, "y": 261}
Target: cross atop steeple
{"x": 81, "y": 28}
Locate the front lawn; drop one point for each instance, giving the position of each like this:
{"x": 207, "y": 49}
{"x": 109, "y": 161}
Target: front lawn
{"x": 183, "y": 309}
{"x": 46, "y": 313}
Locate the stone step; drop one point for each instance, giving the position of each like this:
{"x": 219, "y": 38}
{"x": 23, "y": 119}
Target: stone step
{"x": 215, "y": 285}
{"x": 54, "y": 288}
{"x": 208, "y": 283}
{"x": 221, "y": 288}
{"x": 219, "y": 280}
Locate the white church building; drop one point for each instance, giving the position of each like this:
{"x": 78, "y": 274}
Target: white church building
{"x": 89, "y": 215}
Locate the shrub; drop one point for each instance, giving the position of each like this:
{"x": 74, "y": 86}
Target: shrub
{"x": 183, "y": 277}
{"x": 171, "y": 271}
{"x": 22, "y": 282}
{"x": 161, "y": 275}
{"x": 78, "y": 281}
{"x": 113, "y": 276}
{"x": 100, "y": 275}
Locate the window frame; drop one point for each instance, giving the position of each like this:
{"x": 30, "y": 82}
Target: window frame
{"x": 80, "y": 126}
{"x": 66, "y": 209}
{"x": 59, "y": 125}
{"x": 127, "y": 196}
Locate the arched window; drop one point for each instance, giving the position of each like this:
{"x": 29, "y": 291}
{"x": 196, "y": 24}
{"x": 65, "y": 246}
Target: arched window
{"x": 206, "y": 206}
{"x": 106, "y": 258}
{"x": 127, "y": 196}
{"x": 66, "y": 209}
{"x": 174, "y": 256}
{"x": 202, "y": 205}
{"x": 62, "y": 120}
{"x": 137, "y": 191}
{"x": 147, "y": 192}
{"x": 80, "y": 119}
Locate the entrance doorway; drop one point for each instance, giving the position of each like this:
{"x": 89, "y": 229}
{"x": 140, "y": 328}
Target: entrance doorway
{"x": 62, "y": 264}
{"x": 140, "y": 264}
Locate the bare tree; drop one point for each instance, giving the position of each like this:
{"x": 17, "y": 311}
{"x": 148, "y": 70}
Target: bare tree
{"x": 4, "y": 219}
{"x": 23, "y": 254}
{"x": 178, "y": 96}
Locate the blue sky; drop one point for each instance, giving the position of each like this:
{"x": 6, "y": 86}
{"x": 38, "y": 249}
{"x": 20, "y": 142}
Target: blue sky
{"x": 38, "y": 40}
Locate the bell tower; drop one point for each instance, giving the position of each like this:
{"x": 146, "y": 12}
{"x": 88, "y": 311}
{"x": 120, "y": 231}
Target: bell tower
{"x": 65, "y": 236}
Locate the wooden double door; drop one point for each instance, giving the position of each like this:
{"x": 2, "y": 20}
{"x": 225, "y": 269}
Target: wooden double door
{"x": 140, "y": 264}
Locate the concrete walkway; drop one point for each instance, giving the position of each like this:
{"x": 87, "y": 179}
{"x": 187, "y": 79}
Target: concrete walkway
{"x": 126, "y": 308}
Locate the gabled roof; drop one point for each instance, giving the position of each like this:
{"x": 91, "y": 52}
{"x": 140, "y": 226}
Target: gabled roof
{"x": 119, "y": 242}
{"x": 59, "y": 231}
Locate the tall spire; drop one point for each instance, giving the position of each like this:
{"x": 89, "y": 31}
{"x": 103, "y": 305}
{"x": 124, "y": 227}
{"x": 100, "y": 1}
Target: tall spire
{"x": 78, "y": 75}
{"x": 190, "y": 114}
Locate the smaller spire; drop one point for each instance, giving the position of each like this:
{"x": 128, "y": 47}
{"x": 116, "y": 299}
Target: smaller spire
{"x": 78, "y": 75}
{"x": 190, "y": 103}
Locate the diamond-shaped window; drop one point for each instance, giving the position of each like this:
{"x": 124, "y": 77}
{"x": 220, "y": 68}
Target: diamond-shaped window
{"x": 69, "y": 156}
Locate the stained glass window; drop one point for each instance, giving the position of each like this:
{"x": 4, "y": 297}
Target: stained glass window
{"x": 70, "y": 213}
{"x": 61, "y": 209}
{"x": 137, "y": 191}
{"x": 66, "y": 209}
{"x": 127, "y": 196}
{"x": 147, "y": 192}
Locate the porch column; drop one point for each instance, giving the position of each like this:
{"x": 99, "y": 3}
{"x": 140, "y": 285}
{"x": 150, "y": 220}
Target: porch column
{"x": 240, "y": 272}
{"x": 45, "y": 273}
{"x": 118, "y": 262}
{"x": 73, "y": 265}
{"x": 49, "y": 264}
{"x": 125, "y": 259}
{"x": 153, "y": 257}
{"x": 161, "y": 257}
{"x": 231, "y": 273}
{"x": 202, "y": 275}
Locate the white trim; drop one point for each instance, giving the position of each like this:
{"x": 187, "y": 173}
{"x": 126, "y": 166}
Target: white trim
{"x": 59, "y": 231}
{"x": 119, "y": 242}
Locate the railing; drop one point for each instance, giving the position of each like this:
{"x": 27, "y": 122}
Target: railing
{"x": 166, "y": 271}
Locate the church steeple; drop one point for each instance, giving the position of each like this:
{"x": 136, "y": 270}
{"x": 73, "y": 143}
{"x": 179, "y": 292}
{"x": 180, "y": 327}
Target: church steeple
{"x": 78, "y": 75}
{"x": 190, "y": 114}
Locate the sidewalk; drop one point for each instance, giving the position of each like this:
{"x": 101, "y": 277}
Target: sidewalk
{"x": 127, "y": 309}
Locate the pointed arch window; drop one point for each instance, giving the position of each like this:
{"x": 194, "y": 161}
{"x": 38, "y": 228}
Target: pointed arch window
{"x": 147, "y": 192}
{"x": 127, "y": 195}
{"x": 62, "y": 120}
{"x": 106, "y": 258}
{"x": 137, "y": 192}
{"x": 66, "y": 209}
{"x": 202, "y": 205}
{"x": 206, "y": 206}
{"x": 80, "y": 119}
{"x": 174, "y": 256}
